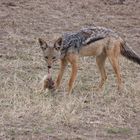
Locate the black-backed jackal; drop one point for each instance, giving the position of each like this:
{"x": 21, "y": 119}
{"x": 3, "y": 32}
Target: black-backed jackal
{"x": 93, "y": 41}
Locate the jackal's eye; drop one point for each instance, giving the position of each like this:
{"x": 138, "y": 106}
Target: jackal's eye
{"x": 54, "y": 58}
{"x": 46, "y": 57}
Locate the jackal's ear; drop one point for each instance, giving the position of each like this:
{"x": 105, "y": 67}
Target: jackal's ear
{"x": 42, "y": 43}
{"x": 58, "y": 43}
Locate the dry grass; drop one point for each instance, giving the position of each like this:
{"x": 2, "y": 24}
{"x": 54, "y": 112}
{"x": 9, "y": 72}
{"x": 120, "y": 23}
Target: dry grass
{"x": 84, "y": 115}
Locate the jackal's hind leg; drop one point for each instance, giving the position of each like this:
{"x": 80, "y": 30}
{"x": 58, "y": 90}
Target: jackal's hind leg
{"x": 113, "y": 57}
{"x": 115, "y": 65}
{"x": 100, "y": 60}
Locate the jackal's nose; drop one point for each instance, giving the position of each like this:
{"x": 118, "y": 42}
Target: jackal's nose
{"x": 49, "y": 67}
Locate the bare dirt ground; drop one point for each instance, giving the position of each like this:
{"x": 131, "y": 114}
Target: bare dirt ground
{"x": 86, "y": 114}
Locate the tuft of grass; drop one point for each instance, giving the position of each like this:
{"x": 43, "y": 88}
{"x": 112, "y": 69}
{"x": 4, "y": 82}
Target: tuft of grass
{"x": 118, "y": 130}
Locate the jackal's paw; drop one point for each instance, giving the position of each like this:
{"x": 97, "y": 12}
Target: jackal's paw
{"x": 121, "y": 90}
{"x": 98, "y": 89}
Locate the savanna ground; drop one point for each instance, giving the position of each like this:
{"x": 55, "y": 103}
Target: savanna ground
{"x": 86, "y": 114}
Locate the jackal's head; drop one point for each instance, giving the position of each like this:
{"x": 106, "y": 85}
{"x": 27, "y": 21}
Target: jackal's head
{"x": 50, "y": 53}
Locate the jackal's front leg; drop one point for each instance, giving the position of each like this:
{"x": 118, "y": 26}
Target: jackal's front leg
{"x": 72, "y": 58}
{"x": 61, "y": 72}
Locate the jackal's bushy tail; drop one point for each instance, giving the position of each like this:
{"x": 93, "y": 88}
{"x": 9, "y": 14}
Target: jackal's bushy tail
{"x": 129, "y": 53}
